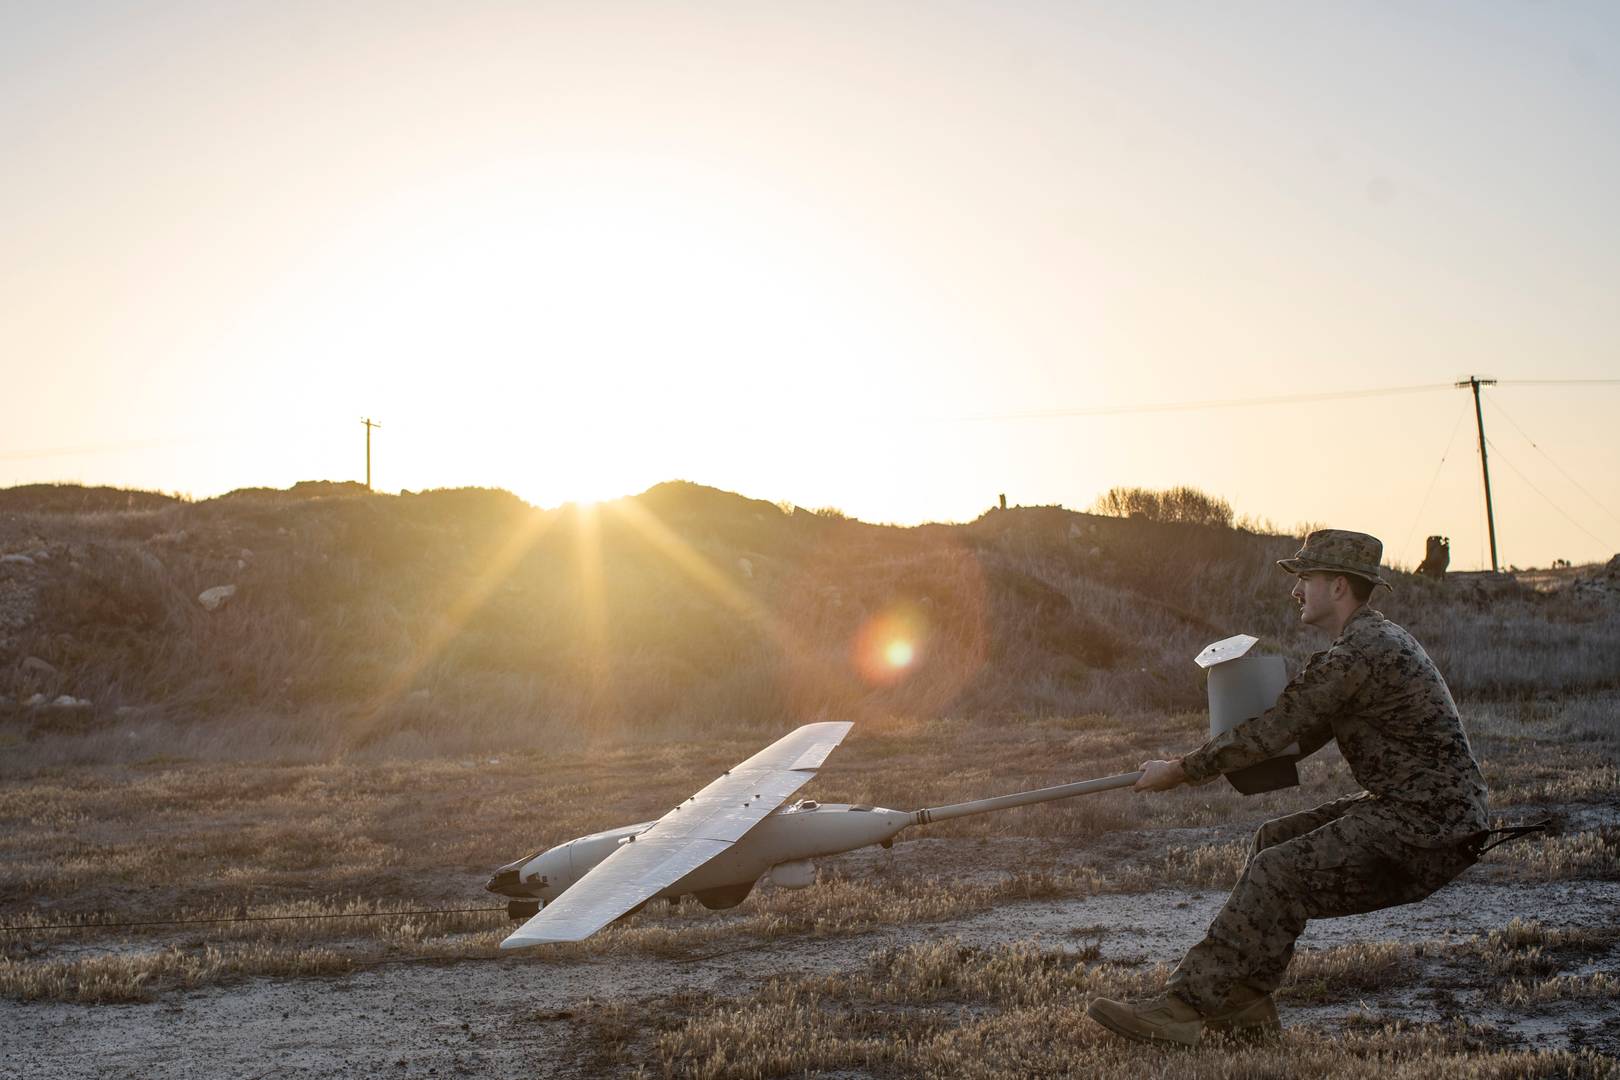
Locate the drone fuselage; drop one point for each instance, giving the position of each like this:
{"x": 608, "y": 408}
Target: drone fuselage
{"x": 782, "y": 844}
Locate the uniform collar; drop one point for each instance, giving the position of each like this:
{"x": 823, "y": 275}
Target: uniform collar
{"x": 1364, "y": 615}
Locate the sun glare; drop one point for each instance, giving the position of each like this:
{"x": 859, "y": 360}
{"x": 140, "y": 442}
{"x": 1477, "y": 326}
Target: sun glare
{"x": 607, "y": 328}
{"x": 889, "y": 645}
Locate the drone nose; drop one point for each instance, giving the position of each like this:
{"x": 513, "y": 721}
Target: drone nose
{"x": 505, "y": 882}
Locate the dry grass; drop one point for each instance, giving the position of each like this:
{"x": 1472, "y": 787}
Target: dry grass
{"x": 1533, "y": 934}
{"x": 1592, "y": 782}
{"x": 1204, "y": 865}
{"x": 1347, "y": 971}
{"x": 950, "y": 1009}
{"x": 140, "y": 976}
{"x": 379, "y": 719}
{"x": 942, "y": 1009}
{"x": 1500, "y": 960}
{"x": 1599, "y": 986}
{"x": 459, "y": 622}
{"x": 879, "y": 1017}
{"x": 304, "y": 938}
{"x": 30, "y": 968}
{"x": 1592, "y": 855}
{"x": 201, "y": 841}
{"x": 1520, "y": 957}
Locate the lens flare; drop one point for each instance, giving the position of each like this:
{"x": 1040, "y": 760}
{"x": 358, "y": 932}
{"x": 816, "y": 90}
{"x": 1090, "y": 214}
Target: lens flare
{"x": 889, "y": 645}
{"x": 915, "y": 632}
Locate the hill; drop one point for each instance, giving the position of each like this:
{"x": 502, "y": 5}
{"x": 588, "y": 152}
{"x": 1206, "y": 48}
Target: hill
{"x": 326, "y": 618}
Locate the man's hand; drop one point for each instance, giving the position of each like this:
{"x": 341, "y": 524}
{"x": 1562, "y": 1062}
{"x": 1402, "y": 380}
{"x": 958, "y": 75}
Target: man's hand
{"x": 1160, "y": 776}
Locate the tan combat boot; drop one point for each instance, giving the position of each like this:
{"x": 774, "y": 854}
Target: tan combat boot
{"x": 1249, "y": 1014}
{"x": 1166, "y": 1019}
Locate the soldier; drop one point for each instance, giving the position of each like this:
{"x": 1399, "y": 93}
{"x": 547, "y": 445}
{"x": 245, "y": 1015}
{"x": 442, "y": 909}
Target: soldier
{"x": 1415, "y": 827}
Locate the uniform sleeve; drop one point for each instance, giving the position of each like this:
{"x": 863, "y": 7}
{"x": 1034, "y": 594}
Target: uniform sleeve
{"x": 1303, "y": 713}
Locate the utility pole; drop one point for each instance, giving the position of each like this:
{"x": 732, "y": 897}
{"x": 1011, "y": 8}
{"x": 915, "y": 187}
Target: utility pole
{"x": 1476, "y": 382}
{"x": 371, "y": 423}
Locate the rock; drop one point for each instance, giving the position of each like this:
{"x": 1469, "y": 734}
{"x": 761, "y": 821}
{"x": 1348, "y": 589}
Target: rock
{"x": 211, "y": 599}
{"x": 35, "y": 666}
{"x": 36, "y": 700}
{"x": 68, "y": 701}
{"x": 17, "y": 560}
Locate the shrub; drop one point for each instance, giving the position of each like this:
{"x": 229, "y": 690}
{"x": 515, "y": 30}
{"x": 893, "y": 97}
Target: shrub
{"x": 1185, "y": 505}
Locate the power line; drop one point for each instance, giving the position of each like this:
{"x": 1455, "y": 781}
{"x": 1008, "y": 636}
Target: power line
{"x": 245, "y": 919}
{"x": 1462, "y": 412}
{"x": 1035, "y": 414}
{"x": 1531, "y": 485}
{"x": 1281, "y": 399}
{"x": 1596, "y": 501}
{"x": 117, "y": 447}
{"x": 1560, "y": 382}
{"x": 1220, "y": 403}
{"x": 125, "y": 445}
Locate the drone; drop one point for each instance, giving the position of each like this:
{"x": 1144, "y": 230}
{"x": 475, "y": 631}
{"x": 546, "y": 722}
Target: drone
{"x": 718, "y": 844}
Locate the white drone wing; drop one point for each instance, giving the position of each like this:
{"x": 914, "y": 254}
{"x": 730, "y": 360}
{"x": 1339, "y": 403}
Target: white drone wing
{"x": 685, "y": 838}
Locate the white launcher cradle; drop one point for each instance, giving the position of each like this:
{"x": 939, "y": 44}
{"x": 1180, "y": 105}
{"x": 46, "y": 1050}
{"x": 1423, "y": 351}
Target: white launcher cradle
{"x": 1241, "y": 687}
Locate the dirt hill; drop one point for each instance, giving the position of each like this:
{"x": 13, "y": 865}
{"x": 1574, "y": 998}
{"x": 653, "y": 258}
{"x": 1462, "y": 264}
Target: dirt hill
{"x": 332, "y": 618}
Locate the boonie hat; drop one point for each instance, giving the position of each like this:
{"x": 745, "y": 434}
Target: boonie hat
{"x": 1341, "y": 552}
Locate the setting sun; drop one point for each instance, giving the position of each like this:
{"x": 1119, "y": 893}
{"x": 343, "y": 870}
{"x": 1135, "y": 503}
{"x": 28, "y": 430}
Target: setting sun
{"x": 447, "y": 431}
{"x": 564, "y": 259}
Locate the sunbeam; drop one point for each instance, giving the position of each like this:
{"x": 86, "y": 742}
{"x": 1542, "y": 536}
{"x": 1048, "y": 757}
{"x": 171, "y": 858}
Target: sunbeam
{"x": 588, "y": 553}
{"x": 532, "y": 527}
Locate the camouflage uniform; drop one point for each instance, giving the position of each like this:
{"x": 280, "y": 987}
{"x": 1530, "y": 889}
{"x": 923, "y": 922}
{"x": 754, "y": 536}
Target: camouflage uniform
{"x": 1379, "y": 695}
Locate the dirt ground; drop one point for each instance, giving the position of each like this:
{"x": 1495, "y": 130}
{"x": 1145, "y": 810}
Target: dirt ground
{"x": 527, "y": 1014}
{"x": 970, "y": 949}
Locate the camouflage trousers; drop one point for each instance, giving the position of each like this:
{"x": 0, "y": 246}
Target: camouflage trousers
{"x": 1321, "y": 863}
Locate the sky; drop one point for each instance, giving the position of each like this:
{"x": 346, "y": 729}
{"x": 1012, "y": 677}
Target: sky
{"x": 895, "y": 258}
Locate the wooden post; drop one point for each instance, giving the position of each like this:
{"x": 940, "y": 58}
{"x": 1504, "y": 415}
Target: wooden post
{"x": 1479, "y": 418}
{"x": 370, "y": 423}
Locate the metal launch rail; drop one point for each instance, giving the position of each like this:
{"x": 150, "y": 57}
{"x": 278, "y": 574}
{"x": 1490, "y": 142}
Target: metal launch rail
{"x": 1024, "y": 798}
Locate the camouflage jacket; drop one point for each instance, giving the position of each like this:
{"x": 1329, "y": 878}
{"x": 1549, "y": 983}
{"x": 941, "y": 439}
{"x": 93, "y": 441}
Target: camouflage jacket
{"x": 1377, "y": 692}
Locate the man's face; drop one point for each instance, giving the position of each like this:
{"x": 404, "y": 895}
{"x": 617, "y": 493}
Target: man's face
{"x": 1313, "y": 592}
